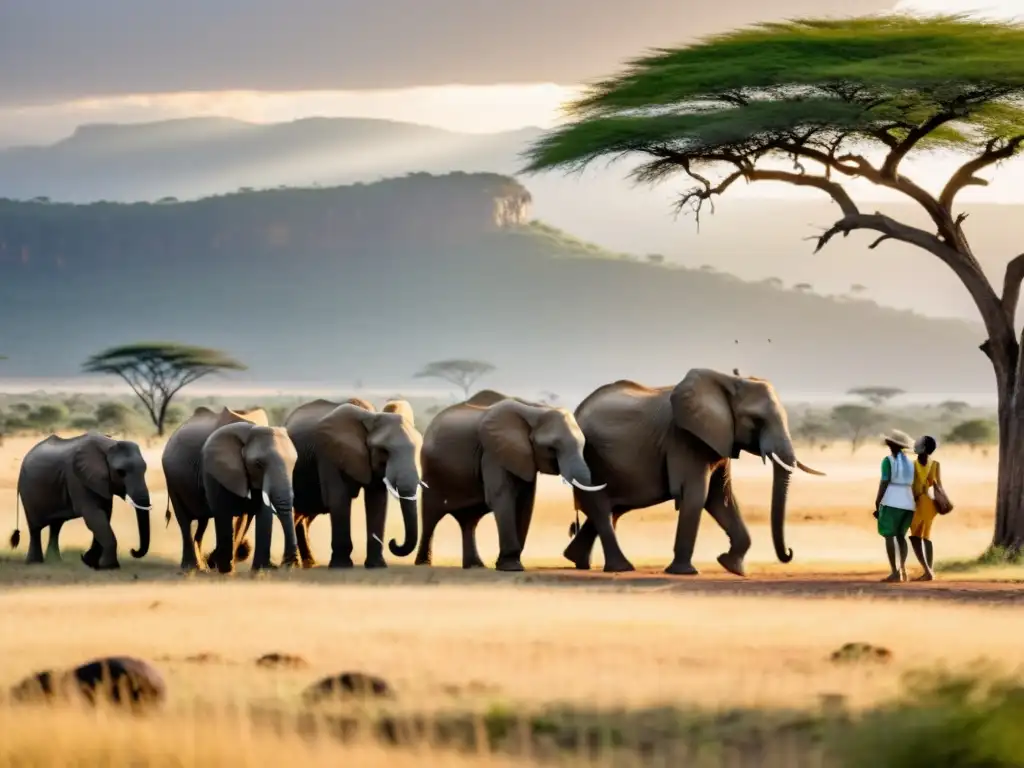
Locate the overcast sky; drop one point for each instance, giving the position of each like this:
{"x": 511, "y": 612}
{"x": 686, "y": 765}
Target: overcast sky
{"x": 57, "y": 50}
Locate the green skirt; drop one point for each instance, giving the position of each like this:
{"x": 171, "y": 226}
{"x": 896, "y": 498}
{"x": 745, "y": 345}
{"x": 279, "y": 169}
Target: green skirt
{"x": 893, "y": 521}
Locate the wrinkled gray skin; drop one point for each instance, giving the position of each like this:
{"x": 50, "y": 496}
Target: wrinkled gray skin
{"x": 247, "y": 474}
{"x": 652, "y": 445}
{"x": 345, "y": 448}
{"x": 186, "y": 491}
{"x": 65, "y": 478}
{"x": 484, "y": 455}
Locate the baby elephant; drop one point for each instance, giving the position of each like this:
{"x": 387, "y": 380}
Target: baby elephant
{"x": 119, "y": 680}
{"x": 64, "y": 478}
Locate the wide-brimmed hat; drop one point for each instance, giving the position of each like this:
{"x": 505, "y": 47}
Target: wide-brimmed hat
{"x": 898, "y": 437}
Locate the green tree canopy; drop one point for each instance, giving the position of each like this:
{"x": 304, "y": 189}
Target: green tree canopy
{"x": 156, "y": 371}
{"x": 973, "y": 432}
{"x": 876, "y": 395}
{"x": 814, "y": 103}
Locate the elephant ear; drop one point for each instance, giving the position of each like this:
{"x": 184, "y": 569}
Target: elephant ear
{"x": 223, "y": 459}
{"x": 341, "y": 438}
{"x": 702, "y": 406}
{"x": 505, "y": 433}
{"x": 89, "y": 463}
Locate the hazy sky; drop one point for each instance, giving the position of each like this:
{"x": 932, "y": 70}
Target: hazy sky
{"x": 460, "y": 64}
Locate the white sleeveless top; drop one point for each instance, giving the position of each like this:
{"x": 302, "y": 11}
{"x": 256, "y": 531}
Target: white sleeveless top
{"x": 899, "y": 493}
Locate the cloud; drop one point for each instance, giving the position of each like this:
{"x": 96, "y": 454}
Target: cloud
{"x": 61, "y": 50}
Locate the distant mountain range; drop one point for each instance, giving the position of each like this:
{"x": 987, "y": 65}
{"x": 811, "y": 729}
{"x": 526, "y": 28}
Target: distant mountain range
{"x": 752, "y": 238}
{"x": 370, "y": 282}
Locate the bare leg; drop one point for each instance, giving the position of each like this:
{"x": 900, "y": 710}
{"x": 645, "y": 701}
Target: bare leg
{"x": 919, "y": 552}
{"x": 894, "y": 564}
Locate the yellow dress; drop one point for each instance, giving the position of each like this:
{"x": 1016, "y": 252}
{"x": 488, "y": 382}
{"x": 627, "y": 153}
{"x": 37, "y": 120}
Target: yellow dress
{"x": 925, "y": 477}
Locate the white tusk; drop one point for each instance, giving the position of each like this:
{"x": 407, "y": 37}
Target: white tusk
{"x": 396, "y": 494}
{"x": 424, "y": 485}
{"x": 808, "y": 470}
{"x": 248, "y": 493}
{"x": 582, "y": 487}
{"x": 782, "y": 464}
{"x": 377, "y": 538}
{"x": 137, "y": 506}
{"x": 764, "y": 459}
{"x": 266, "y": 500}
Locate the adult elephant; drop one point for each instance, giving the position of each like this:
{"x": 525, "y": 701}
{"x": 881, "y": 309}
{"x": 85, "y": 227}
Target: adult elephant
{"x": 345, "y": 448}
{"x": 183, "y": 467}
{"x": 484, "y": 454}
{"x": 650, "y": 445}
{"x": 64, "y": 478}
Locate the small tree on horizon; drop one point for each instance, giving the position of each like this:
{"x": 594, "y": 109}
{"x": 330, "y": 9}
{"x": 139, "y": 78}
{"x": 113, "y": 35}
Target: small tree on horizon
{"x": 157, "y": 371}
{"x": 814, "y": 102}
{"x": 855, "y": 421}
{"x": 973, "y": 433}
{"x": 462, "y": 373}
{"x": 877, "y": 396}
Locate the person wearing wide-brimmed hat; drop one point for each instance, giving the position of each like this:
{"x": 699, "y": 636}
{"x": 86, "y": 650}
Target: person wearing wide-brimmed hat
{"x": 894, "y": 503}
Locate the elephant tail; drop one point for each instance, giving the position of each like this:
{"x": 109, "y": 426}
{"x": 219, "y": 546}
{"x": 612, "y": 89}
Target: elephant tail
{"x": 16, "y": 536}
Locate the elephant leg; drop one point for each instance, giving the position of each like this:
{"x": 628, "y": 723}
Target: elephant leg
{"x": 98, "y": 522}
{"x": 53, "y": 545}
{"x": 500, "y": 492}
{"x": 240, "y": 545}
{"x": 35, "y": 545}
{"x": 339, "y": 502}
{"x": 723, "y": 507}
{"x": 264, "y": 536}
{"x": 91, "y": 556}
{"x": 690, "y": 505}
{"x": 222, "y": 554}
{"x": 525, "y": 497}
{"x": 432, "y": 512}
{"x": 582, "y": 545}
{"x": 302, "y": 536}
{"x": 601, "y": 518}
{"x": 468, "y": 521}
{"x": 375, "y": 499}
{"x": 190, "y": 548}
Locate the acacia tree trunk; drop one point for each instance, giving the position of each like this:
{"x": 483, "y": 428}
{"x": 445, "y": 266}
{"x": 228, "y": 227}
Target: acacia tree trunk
{"x": 1009, "y": 533}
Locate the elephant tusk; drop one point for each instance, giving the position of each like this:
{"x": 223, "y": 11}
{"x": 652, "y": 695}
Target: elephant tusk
{"x": 582, "y": 487}
{"x": 764, "y": 459}
{"x": 266, "y": 500}
{"x": 375, "y": 536}
{"x": 396, "y": 494}
{"x": 137, "y": 506}
{"x": 424, "y": 485}
{"x": 248, "y": 493}
{"x": 810, "y": 471}
{"x": 782, "y": 464}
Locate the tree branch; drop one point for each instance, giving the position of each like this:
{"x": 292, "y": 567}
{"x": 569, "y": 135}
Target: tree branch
{"x": 1011, "y": 287}
{"x": 964, "y": 176}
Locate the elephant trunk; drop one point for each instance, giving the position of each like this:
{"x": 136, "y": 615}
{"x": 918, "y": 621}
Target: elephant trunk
{"x": 410, "y": 518}
{"x": 291, "y": 544}
{"x": 780, "y": 492}
{"x": 137, "y": 495}
{"x": 574, "y": 470}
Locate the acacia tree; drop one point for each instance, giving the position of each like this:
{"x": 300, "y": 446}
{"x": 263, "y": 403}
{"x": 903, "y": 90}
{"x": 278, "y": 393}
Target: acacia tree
{"x": 813, "y": 103}
{"x": 157, "y": 371}
{"x": 877, "y": 396}
{"x": 462, "y": 373}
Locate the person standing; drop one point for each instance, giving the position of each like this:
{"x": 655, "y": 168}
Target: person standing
{"x": 894, "y": 502}
{"x": 926, "y": 476}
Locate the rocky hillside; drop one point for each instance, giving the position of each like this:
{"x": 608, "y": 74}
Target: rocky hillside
{"x": 371, "y": 282}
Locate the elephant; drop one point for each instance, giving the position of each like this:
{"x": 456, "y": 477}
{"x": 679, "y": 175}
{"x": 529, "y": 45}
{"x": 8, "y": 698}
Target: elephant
{"x": 650, "y": 445}
{"x": 186, "y": 470}
{"x": 64, "y": 478}
{"x": 345, "y": 448}
{"x": 483, "y": 455}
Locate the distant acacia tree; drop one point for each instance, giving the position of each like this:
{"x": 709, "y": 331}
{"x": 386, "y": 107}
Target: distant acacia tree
{"x": 953, "y": 407}
{"x": 877, "y": 396}
{"x": 112, "y": 416}
{"x": 974, "y": 432}
{"x": 48, "y": 417}
{"x": 462, "y": 373}
{"x": 803, "y": 287}
{"x": 855, "y": 421}
{"x": 157, "y": 371}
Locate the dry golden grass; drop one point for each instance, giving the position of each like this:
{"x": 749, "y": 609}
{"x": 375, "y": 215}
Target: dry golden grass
{"x": 449, "y": 639}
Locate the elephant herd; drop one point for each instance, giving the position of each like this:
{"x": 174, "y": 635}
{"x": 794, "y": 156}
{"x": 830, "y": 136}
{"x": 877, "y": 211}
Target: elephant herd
{"x": 627, "y": 446}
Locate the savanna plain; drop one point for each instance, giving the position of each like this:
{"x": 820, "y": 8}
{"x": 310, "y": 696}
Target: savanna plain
{"x": 547, "y": 666}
